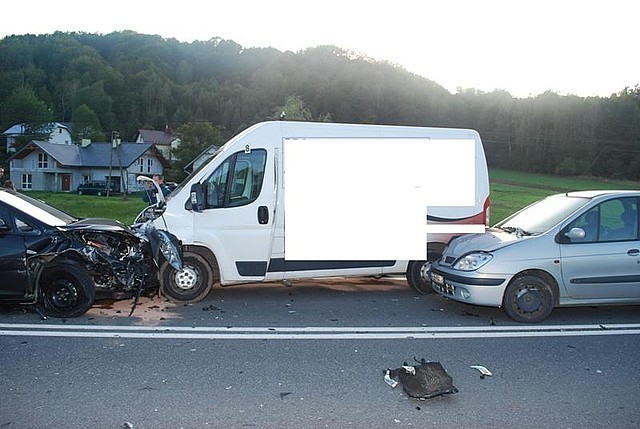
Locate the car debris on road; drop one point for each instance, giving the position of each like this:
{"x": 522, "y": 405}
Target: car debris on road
{"x": 484, "y": 372}
{"x": 423, "y": 381}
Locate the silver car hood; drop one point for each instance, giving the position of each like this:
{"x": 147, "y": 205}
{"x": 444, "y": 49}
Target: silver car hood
{"x": 491, "y": 240}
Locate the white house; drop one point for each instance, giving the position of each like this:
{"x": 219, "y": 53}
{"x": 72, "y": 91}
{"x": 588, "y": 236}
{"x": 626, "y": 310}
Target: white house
{"x": 202, "y": 158}
{"x": 166, "y": 141}
{"x": 60, "y": 134}
{"x": 45, "y": 166}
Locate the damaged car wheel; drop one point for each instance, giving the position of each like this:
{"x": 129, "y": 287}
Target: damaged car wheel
{"x": 192, "y": 284}
{"x": 66, "y": 290}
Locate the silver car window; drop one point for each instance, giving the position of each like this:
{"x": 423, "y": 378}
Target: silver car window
{"x": 619, "y": 220}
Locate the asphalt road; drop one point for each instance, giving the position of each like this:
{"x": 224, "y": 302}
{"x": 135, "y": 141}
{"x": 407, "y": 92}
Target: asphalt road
{"x": 312, "y": 356}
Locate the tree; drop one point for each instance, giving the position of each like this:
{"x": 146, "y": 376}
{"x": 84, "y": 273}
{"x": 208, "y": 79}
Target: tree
{"x": 24, "y": 107}
{"x": 195, "y": 138}
{"x": 294, "y": 109}
{"x": 132, "y": 80}
{"x": 86, "y": 125}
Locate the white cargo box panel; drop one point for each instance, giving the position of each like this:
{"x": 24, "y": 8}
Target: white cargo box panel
{"x": 367, "y": 198}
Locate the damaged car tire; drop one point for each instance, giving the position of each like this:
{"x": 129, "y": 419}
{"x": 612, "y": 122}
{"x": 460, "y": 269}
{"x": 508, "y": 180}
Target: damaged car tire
{"x": 192, "y": 284}
{"x": 417, "y": 275}
{"x": 528, "y": 299}
{"x": 66, "y": 290}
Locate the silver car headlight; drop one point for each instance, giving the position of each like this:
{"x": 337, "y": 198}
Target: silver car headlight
{"x": 472, "y": 261}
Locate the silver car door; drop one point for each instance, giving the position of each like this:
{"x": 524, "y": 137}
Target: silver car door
{"x": 606, "y": 263}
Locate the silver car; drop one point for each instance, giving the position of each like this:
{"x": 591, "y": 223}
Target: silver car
{"x": 578, "y": 248}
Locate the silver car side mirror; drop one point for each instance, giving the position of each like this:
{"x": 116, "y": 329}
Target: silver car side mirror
{"x": 575, "y": 233}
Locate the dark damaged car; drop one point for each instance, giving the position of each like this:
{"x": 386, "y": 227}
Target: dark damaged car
{"x": 61, "y": 263}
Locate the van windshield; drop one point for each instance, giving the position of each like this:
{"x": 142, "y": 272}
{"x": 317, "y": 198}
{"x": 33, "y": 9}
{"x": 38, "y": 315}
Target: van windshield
{"x": 195, "y": 171}
{"x": 543, "y": 215}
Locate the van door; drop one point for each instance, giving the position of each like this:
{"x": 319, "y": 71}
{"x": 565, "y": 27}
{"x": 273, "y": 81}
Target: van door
{"x": 237, "y": 219}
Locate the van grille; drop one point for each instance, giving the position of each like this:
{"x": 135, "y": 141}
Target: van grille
{"x": 449, "y": 260}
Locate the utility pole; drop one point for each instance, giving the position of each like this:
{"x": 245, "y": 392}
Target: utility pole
{"x": 114, "y": 142}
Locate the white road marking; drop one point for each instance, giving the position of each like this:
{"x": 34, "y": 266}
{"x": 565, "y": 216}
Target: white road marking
{"x": 313, "y": 333}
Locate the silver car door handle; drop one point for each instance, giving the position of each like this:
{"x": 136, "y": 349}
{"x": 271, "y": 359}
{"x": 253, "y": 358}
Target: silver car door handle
{"x": 633, "y": 252}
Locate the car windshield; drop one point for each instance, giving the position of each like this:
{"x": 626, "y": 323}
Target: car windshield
{"x": 543, "y": 215}
{"x": 37, "y": 209}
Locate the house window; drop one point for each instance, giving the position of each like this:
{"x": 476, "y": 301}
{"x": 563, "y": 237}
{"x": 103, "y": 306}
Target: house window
{"x": 86, "y": 178}
{"x": 43, "y": 160}
{"x": 27, "y": 181}
{"x": 149, "y": 165}
{"x": 141, "y": 164}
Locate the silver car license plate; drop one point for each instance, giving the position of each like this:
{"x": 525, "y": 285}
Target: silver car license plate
{"x": 437, "y": 279}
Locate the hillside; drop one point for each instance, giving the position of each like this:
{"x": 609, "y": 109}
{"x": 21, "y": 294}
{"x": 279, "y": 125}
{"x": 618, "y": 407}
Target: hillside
{"x": 125, "y": 81}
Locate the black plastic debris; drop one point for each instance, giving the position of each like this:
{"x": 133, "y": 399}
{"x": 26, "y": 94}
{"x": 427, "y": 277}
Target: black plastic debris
{"x": 423, "y": 381}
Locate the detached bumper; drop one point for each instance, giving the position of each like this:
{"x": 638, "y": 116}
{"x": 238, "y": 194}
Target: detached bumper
{"x": 470, "y": 287}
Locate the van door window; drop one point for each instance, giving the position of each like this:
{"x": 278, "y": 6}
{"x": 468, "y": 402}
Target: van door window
{"x": 237, "y": 181}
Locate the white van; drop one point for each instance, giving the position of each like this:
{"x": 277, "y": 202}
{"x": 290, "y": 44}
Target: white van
{"x": 230, "y": 213}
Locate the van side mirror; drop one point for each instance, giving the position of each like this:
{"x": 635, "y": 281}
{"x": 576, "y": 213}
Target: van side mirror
{"x": 3, "y": 226}
{"x": 197, "y": 197}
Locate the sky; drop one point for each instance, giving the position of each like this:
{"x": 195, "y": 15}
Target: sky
{"x": 526, "y": 47}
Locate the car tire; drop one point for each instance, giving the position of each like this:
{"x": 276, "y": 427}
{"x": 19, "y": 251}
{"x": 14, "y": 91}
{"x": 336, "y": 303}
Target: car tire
{"x": 192, "y": 284}
{"x": 99, "y": 193}
{"x": 66, "y": 290}
{"x": 79, "y": 192}
{"x": 417, "y": 272}
{"x": 528, "y": 299}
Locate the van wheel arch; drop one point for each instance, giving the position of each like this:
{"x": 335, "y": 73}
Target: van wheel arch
{"x": 416, "y": 270}
{"x": 211, "y": 259}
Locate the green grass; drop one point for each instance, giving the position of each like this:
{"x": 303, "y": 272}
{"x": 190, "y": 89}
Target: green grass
{"x": 125, "y": 209}
{"x": 513, "y": 190}
{"x": 510, "y": 191}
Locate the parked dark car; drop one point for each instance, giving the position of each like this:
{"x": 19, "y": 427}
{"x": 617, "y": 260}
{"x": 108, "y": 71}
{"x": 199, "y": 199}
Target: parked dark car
{"x": 61, "y": 263}
{"x": 171, "y": 185}
{"x": 96, "y": 187}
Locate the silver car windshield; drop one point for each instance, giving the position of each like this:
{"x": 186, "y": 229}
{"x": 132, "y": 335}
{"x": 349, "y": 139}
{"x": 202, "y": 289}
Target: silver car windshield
{"x": 543, "y": 215}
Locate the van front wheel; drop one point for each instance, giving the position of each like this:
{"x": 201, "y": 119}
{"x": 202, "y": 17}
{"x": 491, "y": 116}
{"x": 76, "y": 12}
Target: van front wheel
{"x": 191, "y": 284}
{"x": 418, "y": 275}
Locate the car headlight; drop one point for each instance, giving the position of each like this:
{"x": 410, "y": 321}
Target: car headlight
{"x": 472, "y": 261}
{"x": 170, "y": 250}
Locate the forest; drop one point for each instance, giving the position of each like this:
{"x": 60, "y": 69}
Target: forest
{"x": 210, "y": 90}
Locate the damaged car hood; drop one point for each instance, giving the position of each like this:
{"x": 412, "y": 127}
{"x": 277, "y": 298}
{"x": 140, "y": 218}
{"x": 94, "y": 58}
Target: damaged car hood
{"x": 489, "y": 241}
{"x": 97, "y": 224}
